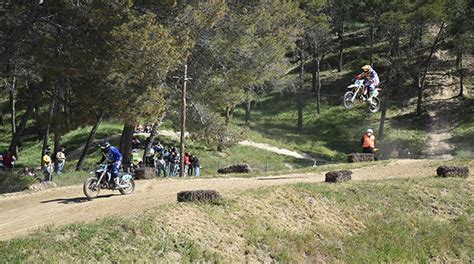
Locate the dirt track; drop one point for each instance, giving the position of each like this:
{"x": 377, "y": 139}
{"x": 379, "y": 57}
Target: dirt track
{"x": 25, "y": 212}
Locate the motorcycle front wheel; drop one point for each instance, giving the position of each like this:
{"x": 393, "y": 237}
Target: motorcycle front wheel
{"x": 348, "y": 103}
{"x": 129, "y": 189}
{"x": 91, "y": 188}
{"x": 375, "y": 105}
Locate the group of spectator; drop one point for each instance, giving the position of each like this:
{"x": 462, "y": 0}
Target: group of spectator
{"x": 166, "y": 160}
{"x": 143, "y": 128}
{"x": 50, "y": 164}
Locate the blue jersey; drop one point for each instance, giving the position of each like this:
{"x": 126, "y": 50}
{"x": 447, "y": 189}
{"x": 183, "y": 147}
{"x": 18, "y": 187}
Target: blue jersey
{"x": 113, "y": 155}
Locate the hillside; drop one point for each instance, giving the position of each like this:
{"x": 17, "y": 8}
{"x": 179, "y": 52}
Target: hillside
{"x": 379, "y": 217}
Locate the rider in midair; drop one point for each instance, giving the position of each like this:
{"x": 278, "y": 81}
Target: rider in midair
{"x": 114, "y": 158}
{"x": 371, "y": 80}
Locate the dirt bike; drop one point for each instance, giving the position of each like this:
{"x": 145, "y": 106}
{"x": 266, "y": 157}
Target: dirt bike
{"x": 356, "y": 92}
{"x": 103, "y": 180}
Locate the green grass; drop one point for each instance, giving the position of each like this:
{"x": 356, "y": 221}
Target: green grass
{"x": 330, "y": 135}
{"x": 463, "y": 134}
{"x": 410, "y": 220}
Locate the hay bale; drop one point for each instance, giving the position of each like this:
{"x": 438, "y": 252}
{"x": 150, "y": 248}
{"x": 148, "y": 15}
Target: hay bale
{"x": 360, "y": 157}
{"x": 199, "y": 196}
{"x": 40, "y": 186}
{"x": 452, "y": 171}
{"x": 339, "y": 176}
{"x": 239, "y": 168}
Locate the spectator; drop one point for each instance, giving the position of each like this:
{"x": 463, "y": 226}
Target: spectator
{"x": 186, "y": 163}
{"x": 196, "y": 165}
{"x": 150, "y": 158}
{"x": 167, "y": 157}
{"x": 47, "y": 166}
{"x": 176, "y": 161}
{"x": 60, "y": 160}
{"x": 160, "y": 165}
{"x": 136, "y": 143}
{"x": 9, "y": 161}
{"x": 28, "y": 172}
{"x": 158, "y": 148}
{"x": 136, "y": 159}
{"x": 1, "y": 162}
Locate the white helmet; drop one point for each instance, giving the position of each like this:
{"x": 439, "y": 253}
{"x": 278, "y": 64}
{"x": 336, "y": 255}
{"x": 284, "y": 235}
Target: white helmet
{"x": 369, "y": 131}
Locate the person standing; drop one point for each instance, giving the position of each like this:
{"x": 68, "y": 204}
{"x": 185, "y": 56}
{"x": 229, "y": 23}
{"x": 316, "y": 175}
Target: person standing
{"x": 196, "y": 166}
{"x": 160, "y": 165}
{"x": 47, "y": 166}
{"x": 60, "y": 160}
{"x": 368, "y": 142}
{"x": 9, "y": 161}
{"x": 186, "y": 163}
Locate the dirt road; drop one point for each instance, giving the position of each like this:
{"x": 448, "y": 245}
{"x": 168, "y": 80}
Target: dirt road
{"x": 24, "y": 212}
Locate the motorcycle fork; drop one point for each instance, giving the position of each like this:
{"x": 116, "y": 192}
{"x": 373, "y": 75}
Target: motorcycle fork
{"x": 100, "y": 180}
{"x": 355, "y": 94}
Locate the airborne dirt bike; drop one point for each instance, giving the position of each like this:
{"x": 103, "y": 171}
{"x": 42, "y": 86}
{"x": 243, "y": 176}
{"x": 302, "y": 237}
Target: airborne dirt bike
{"x": 103, "y": 180}
{"x": 356, "y": 93}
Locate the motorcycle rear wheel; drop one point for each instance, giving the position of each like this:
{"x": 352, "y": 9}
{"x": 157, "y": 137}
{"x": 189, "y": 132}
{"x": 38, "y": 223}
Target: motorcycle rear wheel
{"x": 348, "y": 103}
{"x": 129, "y": 189}
{"x": 374, "y": 107}
{"x": 91, "y": 188}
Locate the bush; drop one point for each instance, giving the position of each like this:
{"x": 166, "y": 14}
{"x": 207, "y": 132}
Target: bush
{"x": 12, "y": 182}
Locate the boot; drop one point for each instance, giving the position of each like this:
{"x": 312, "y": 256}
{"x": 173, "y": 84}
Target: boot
{"x": 117, "y": 183}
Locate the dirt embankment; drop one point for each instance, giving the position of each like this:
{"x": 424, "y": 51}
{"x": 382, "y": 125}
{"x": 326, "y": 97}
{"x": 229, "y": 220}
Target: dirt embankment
{"x": 24, "y": 212}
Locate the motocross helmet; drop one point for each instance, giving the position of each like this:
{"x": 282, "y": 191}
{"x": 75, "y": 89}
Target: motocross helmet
{"x": 105, "y": 145}
{"x": 366, "y": 68}
{"x": 369, "y": 131}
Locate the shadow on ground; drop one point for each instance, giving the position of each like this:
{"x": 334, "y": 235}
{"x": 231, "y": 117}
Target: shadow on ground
{"x": 76, "y": 199}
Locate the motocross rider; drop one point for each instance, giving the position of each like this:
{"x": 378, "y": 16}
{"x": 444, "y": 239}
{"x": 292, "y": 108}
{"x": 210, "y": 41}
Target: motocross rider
{"x": 371, "y": 80}
{"x": 114, "y": 159}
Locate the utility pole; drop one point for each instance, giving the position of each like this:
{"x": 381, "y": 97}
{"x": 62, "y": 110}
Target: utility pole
{"x": 183, "y": 121}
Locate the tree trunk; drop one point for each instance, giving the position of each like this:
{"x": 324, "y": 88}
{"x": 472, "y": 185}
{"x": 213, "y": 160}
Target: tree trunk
{"x": 13, "y": 111}
{"x": 183, "y": 123}
{"x": 52, "y": 107}
{"x": 248, "y": 109}
{"x": 127, "y": 137}
{"x": 341, "y": 47}
{"x": 2, "y": 120}
{"x": 50, "y": 121}
{"x": 371, "y": 52}
{"x": 318, "y": 101}
{"x": 57, "y": 139}
{"x": 154, "y": 132}
{"x": 300, "y": 92}
{"x": 427, "y": 62}
{"x": 80, "y": 162}
{"x": 461, "y": 72}
{"x": 228, "y": 115}
{"x": 16, "y": 139}
{"x": 382, "y": 120}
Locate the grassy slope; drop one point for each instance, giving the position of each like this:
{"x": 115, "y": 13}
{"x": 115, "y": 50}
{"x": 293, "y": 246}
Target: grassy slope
{"x": 333, "y": 133}
{"x": 463, "y": 135}
{"x": 429, "y": 219}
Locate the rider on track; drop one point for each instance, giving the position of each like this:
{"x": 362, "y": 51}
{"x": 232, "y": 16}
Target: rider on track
{"x": 114, "y": 159}
{"x": 371, "y": 80}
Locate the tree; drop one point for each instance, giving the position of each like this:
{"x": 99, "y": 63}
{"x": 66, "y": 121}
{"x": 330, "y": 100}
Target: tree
{"x": 461, "y": 32}
{"x": 340, "y": 14}
{"x": 138, "y": 89}
{"x": 317, "y": 35}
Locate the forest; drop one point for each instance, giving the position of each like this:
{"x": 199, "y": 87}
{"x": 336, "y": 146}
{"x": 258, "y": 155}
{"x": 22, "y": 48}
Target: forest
{"x": 67, "y": 64}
